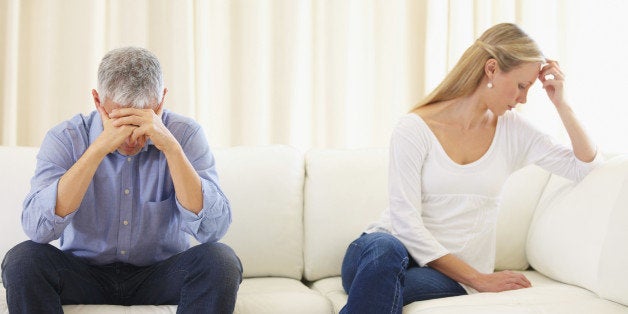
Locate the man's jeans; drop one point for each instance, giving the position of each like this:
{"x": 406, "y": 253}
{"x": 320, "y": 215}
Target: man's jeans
{"x": 39, "y": 278}
{"x": 380, "y": 277}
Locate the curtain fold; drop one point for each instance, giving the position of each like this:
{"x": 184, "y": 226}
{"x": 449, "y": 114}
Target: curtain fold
{"x": 307, "y": 73}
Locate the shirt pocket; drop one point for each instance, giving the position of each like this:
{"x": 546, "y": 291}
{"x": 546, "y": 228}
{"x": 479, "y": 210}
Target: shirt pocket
{"x": 159, "y": 228}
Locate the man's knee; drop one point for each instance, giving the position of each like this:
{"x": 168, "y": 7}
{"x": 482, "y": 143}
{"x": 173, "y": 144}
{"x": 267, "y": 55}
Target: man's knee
{"x": 219, "y": 258}
{"x": 25, "y": 258}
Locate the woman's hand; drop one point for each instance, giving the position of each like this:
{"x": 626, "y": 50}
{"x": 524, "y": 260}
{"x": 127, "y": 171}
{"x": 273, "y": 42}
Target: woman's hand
{"x": 500, "y": 281}
{"x": 553, "y": 81}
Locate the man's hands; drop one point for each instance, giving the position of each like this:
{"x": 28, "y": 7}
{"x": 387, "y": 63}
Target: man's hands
{"x": 500, "y": 281}
{"x": 112, "y": 137}
{"x": 127, "y": 129}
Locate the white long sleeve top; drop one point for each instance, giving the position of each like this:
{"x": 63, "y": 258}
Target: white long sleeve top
{"x": 437, "y": 206}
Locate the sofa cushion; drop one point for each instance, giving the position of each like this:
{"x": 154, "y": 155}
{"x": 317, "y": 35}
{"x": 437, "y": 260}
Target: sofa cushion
{"x": 545, "y": 296}
{"x": 520, "y": 196}
{"x": 578, "y": 233}
{"x": 18, "y": 166}
{"x": 280, "y": 296}
{"x": 345, "y": 190}
{"x": 265, "y": 188}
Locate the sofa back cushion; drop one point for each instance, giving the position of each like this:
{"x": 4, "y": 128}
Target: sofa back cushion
{"x": 345, "y": 190}
{"x": 265, "y": 188}
{"x": 579, "y": 231}
{"x": 18, "y": 166}
{"x": 520, "y": 196}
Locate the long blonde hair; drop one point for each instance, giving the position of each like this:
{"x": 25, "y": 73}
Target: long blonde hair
{"x": 505, "y": 42}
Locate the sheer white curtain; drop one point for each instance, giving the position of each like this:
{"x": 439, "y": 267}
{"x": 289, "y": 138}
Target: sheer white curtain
{"x": 308, "y": 73}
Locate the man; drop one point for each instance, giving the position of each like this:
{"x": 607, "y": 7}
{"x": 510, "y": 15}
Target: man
{"x": 123, "y": 188}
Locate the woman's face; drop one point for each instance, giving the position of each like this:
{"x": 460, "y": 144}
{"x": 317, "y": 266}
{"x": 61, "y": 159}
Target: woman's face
{"x": 511, "y": 88}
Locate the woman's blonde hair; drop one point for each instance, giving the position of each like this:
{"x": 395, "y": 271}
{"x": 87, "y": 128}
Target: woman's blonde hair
{"x": 505, "y": 42}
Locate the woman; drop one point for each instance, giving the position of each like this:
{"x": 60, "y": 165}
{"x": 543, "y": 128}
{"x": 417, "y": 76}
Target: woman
{"x": 449, "y": 158}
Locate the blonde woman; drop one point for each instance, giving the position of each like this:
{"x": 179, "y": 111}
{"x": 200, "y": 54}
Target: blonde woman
{"x": 449, "y": 158}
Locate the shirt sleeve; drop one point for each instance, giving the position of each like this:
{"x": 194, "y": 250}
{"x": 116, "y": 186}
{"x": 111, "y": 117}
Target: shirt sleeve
{"x": 408, "y": 148}
{"x": 538, "y": 148}
{"x": 39, "y": 221}
{"x": 213, "y": 221}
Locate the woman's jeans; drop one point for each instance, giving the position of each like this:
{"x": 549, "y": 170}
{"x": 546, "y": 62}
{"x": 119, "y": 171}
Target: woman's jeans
{"x": 380, "y": 277}
{"x": 39, "y": 278}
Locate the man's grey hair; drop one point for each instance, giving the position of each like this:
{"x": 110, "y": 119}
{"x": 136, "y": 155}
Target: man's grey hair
{"x": 131, "y": 77}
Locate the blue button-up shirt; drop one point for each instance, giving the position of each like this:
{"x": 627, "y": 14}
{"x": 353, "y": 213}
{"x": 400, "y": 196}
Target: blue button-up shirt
{"x": 129, "y": 213}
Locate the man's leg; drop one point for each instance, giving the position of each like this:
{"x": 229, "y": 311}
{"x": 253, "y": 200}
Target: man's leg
{"x": 39, "y": 278}
{"x": 203, "y": 279}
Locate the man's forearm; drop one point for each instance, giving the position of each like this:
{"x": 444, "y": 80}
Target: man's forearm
{"x": 73, "y": 184}
{"x": 187, "y": 183}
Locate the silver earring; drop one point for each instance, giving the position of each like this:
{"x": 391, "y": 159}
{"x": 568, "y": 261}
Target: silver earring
{"x": 489, "y": 85}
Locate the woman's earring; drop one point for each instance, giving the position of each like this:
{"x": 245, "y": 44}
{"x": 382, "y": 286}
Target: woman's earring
{"x": 489, "y": 85}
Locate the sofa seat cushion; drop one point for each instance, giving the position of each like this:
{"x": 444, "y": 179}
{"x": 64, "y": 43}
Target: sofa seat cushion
{"x": 279, "y": 295}
{"x": 545, "y": 296}
{"x": 101, "y": 309}
{"x": 111, "y": 309}
{"x": 256, "y": 295}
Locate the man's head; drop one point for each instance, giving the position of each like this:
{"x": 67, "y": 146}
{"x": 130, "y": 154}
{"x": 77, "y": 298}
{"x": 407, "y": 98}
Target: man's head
{"x": 131, "y": 77}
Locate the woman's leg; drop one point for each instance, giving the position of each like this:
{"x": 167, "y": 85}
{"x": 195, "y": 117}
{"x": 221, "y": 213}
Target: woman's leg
{"x": 425, "y": 283}
{"x": 373, "y": 274}
{"x": 380, "y": 277}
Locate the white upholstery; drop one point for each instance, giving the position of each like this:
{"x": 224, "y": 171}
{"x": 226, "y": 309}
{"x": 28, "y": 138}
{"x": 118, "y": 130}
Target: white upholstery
{"x": 579, "y": 233}
{"x": 279, "y": 296}
{"x": 18, "y": 166}
{"x": 344, "y": 191}
{"x": 520, "y": 195}
{"x": 265, "y": 188}
{"x": 294, "y": 215}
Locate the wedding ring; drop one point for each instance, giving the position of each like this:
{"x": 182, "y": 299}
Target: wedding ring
{"x": 550, "y": 76}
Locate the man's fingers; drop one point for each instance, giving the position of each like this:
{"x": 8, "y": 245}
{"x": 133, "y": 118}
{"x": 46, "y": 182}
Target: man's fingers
{"x": 104, "y": 116}
{"x": 127, "y": 120}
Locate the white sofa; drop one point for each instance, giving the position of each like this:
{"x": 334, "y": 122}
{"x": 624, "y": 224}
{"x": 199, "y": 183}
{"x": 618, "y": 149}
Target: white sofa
{"x": 294, "y": 215}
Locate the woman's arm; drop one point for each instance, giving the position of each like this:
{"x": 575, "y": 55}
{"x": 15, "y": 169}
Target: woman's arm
{"x": 460, "y": 271}
{"x": 583, "y": 147}
{"x": 408, "y": 148}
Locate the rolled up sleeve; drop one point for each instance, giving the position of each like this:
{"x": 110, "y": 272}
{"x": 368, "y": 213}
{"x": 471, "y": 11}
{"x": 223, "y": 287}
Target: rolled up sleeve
{"x": 214, "y": 219}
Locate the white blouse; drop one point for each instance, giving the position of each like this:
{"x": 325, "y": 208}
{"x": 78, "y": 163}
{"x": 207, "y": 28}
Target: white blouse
{"x": 437, "y": 206}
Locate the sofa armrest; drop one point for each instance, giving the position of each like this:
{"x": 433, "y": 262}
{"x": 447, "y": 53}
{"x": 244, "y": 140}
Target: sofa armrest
{"x": 578, "y": 231}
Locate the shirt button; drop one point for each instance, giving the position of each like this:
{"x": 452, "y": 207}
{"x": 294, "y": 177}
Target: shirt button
{"x": 126, "y": 222}
{"x": 127, "y": 191}
{"x": 129, "y": 159}
{"x": 122, "y": 252}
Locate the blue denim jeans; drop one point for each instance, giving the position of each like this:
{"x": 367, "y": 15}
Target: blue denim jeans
{"x": 39, "y": 278}
{"x": 380, "y": 277}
